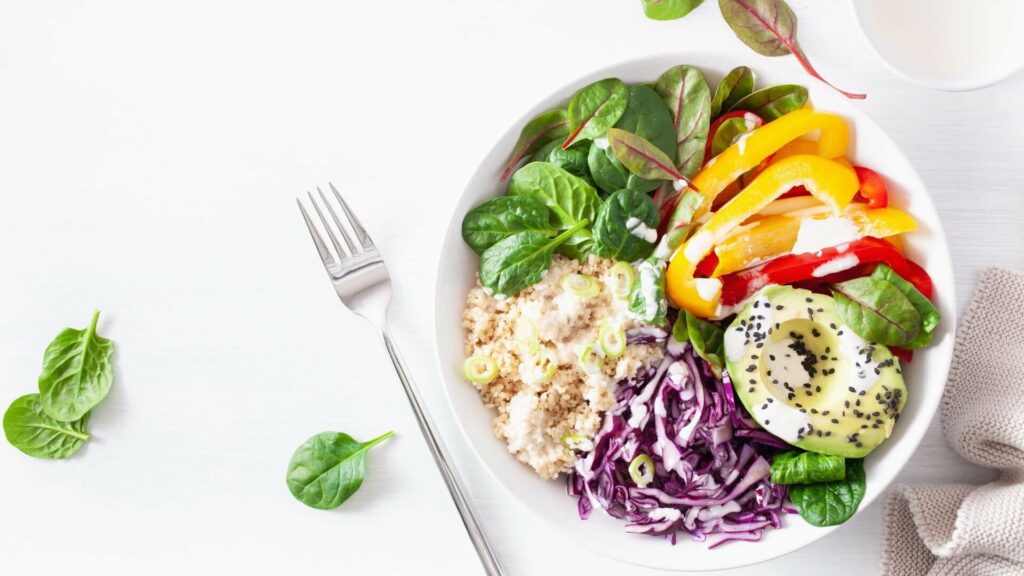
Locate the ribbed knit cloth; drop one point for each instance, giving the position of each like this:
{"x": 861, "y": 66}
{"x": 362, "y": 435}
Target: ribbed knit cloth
{"x": 963, "y": 530}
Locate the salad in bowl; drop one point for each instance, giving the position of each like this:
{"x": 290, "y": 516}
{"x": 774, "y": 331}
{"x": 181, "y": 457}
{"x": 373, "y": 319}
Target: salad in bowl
{"x": 694, "y": 305}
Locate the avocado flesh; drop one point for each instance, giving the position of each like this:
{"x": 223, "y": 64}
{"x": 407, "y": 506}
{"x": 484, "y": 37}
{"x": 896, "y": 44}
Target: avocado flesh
{"x": 805, "y": 377}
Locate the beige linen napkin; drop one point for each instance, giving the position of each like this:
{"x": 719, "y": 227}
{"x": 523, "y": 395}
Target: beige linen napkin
{"x": 963, "y": 530}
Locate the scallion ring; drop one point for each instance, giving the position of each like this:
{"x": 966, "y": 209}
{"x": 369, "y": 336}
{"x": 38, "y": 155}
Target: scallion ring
{"x": 480, "y": 369}
{"x": 539, "y": 367}
{"x": 641, "y": 470}
{"x": 621, "y": 279}
{"x": 527, "y": 336}
{"x": 578, "y": 442}
{"x": 582, "y": 285}
{"x": 592, "y": 358}
{"x": 612, "y": 338}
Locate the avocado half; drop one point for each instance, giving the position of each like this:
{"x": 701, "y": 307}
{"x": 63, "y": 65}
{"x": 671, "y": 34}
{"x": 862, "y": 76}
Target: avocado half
{"x": 808, "y": 379}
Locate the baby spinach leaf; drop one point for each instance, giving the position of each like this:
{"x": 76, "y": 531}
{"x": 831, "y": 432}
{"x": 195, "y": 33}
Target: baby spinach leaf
{"x": 641, "y": 157}
{"x": 799, "y": 467}
{"x": 669, "y": 9}
{"x": 930, "y": 316}
{"x": 520, "y": 260}
{"x": 595, "y": 108}
{"x": 29, "y": 429}
{"x": 546, "y": 127}
{"x": 542, "y": 153}
{"x": 708, "y": 340}
{"x": 877, "y": 311}
{"x": 768, "y": 27}
{"x": 647, "y": 302}
{"x": 77, "y": 373}
{"x": 774, "y": 101}
{"x": 608, "y": 173}
{"x": 568, "y": 198}
{"x": 736, "y": 85}
{"x": 686, "y": 93}
{"x": 501, "y": 217}
{"x": 328, "y": 468}
{"x": 831, "y": 503}
{"x": 626, "y": 226}
{"x": 573, "y": 160}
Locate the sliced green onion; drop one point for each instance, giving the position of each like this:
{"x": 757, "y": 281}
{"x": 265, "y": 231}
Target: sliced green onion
{"x": 621, "y": 276}
{"x": 578, "y": 442}
{"x": 612, "y": 338}
{"x": 641, "y": 470}
{"x": 480, "y": 369}
{"x": 592, "y": 358}
{"x": 539, "y": 367}
{"x": 582, "y": 285}
{"x": 527, "y": 336}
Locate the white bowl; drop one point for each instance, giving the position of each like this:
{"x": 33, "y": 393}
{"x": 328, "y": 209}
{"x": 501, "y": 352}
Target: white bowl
{"x": 926, "y": 376}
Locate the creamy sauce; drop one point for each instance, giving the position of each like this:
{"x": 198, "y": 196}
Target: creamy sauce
{"x": 698, "y": 246}
{"x": 601, "y": 143}
{"x": 816, "y": 234}
{"x": 708, "y": 288}
{"x": 638, "y": 228}
{"x": 836, "y": 265}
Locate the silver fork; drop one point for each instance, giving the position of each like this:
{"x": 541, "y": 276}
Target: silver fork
{"x": 362, "y": 282}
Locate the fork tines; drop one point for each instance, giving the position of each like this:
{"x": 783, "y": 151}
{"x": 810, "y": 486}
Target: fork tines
{"x": 347, "y": 227}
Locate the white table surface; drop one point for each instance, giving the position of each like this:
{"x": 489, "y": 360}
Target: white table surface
{"x": 150, "y": 153}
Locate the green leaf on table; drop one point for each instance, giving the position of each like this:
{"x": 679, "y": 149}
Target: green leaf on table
{"x": 930, "y": 316}
{"x": 328, "y": 468}
{"x": 736, "y": 85}
{"x": 570, "y": 200}
{"x": 772, "y": 102}
{"x": 595, "y": 108}
{"x": 669, "y": 9}
{"x": 708, "y": 340}
{"x": 877, "y": 311}
{"x": 831, "y": 503}
{"x": 546, "y": 127}
{"x": 501, "y": 217}
{"x": 641, "y": 157}
{"x": 77, "y": 372}
{"x": 686, "y": 93}
{"x": 29, "y": 429}
{"x": 768, "y": 27}
{"x": 800, "y": 467}
{"x": 520, "y": 260}
{"x": 626, "y": 226}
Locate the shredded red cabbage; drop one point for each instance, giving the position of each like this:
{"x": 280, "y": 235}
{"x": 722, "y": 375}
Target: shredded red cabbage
{"x": 711, "y": 460}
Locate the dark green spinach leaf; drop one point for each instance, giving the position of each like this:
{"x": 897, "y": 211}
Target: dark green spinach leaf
{"x": 595, "y": 108}
{"x": 328, "y": 468}
{"x": 736, "y": 85}
{"x": 877, "y": 311}
{"x": 626, "y": 226}
{"x": 29, "y": 429}
{"x": 831, "y": 503}
{"x": 77, "y": 372}
{"x": 930, "y": 316}
{"x": 501, "y": 217}
{"x": 569, "y": 199}
{"x": 520, "y": 260}
{"x": 669, "y": 9}
{"x": 573, "y": 160}
{"x": 800, "y": 467}
{"x": 546, "y": 127}
{"x": 774, "y": 101}
{"x": 686, "y": 93}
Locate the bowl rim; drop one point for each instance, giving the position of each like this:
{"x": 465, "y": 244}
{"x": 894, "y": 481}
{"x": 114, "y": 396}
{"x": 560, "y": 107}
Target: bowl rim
{"x": 699, "y": 59}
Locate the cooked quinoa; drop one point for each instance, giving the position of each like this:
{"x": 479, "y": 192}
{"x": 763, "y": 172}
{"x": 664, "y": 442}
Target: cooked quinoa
{"x": 533, "y": 418}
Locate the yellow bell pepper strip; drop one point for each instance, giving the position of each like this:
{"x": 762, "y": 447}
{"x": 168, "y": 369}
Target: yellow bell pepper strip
{"x": 761, "y": 143}
{"x": 828, "y": 181}
{"x": 775, "y": 236}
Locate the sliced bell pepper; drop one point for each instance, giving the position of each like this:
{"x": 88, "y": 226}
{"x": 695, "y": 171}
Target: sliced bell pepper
{"x": 775, "y": 236}
{"x": 872, "y": 187}
{"x": 830, "y": 182}
{"x": 761, "y": 143}
{"x": 818, "y": 266}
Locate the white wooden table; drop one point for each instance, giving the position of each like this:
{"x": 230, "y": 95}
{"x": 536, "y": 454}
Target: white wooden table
{"x": 150, "y": 153}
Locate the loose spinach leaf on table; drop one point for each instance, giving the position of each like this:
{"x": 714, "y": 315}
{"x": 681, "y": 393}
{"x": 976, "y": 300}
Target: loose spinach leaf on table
{"x": 683, "y": 89}
{"x": 768, "y": 27}
{"x": 595, "y": 108}
{"x": 930, "y": 316}
{"x": 328, "y": 468}
{"x": 568, "y": 198}
{"x": 800, "y": 467}
{"x": 640, "y": 157}
{"x": 708, "y": 340}
{"x": 669, "y": 9}
{"x": 626, "y": 226}
{"x": 501, "y": 217}
{"x": 546, "y": 127}
{"x": 877, "y": 311}
{"x": 520, "y": 260}
{"x": 29, "y": 429}
{"x": 77, "y": 372}
{"x": 831, "y": 503}
{"x": 647, "y": 302}
{"x": 774, "y": 101}
{"x": 737, "y": 84}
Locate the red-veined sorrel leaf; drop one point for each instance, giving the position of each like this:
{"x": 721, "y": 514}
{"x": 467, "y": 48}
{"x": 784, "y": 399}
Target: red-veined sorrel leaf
{"x": 641, "y": 157}
{"x": 595, "y": 109}
{"x": 768, "y": 27}
{"x": 736, "y": 85}
{"x": 669, "y": 9}
{"x": 543, "y": 128}
{"x": 686, "y": 93}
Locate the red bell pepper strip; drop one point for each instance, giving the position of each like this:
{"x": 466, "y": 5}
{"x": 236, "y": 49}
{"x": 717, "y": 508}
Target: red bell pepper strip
{"x": 794, "y": 268}
{"x": 872, "y": 187}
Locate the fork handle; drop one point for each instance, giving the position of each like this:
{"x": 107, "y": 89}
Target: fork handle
{"x": 444, "y": 462}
